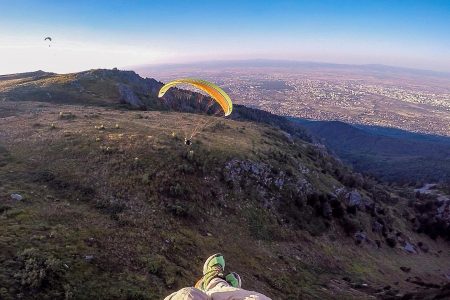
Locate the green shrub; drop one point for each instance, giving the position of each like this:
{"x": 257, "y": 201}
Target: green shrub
{"x": 37, "y": 270}
{"x": 155, "y": 264}
{"x": 146, "y": 178}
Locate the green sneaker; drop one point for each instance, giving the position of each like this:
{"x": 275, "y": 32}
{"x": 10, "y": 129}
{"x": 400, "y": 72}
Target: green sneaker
{"x": 213, "y": 268}
{"x": 234, "y": 279}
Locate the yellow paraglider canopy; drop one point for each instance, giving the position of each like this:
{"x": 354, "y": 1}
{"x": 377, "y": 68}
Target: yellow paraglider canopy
{"x": 210, "y": 88}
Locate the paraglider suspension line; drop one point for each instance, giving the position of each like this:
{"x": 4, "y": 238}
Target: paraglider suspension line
{"x": 202, "y": 125}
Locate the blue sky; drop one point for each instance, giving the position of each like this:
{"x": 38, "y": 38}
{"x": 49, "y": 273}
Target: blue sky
{"x": 89, "y": 34}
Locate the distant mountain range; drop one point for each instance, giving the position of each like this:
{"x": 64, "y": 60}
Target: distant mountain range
{"x": 389, "y": 153}
{"x": 292, "y": 64}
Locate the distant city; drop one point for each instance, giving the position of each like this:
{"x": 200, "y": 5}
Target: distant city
{"x": 369, "y": 95}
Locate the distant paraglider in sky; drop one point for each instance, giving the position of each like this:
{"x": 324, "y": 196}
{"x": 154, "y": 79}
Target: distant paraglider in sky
{"x": 49, "y": 39}
{"x": 218, "y": 98}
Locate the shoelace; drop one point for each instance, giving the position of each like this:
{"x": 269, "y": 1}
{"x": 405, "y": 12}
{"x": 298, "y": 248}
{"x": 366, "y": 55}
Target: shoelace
{"x": 214, "y": 269}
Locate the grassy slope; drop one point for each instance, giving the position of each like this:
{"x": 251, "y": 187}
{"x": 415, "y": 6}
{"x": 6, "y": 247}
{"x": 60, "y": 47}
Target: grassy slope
{"x": 150, "y": 213}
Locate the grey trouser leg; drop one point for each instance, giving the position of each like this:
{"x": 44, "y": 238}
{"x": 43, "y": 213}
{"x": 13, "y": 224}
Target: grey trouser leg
{"x": 219, "y": 289}
{"x": 188, "y": 293}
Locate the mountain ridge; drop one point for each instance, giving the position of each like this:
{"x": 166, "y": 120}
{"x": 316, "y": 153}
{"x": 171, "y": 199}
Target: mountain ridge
{"x": 126, "y": 88}
{"x": 115, "y": 205}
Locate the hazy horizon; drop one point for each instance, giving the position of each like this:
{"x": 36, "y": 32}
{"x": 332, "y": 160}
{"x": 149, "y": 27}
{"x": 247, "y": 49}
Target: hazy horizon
{"x": 260, "y": 62}
{"x": 254, "y": 62}
{"x": 107, "y": 34}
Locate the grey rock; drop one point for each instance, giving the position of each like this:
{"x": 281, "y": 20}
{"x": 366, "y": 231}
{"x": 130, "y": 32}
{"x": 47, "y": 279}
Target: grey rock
{"x": 89, "y": 257}
{"x": 279, "y": 182}
{"x": 409, "y": 248}
{"x": 354, "y": 199}
{"x": 303, "y": 169}
{"x": 128, "y": 96}
{"x": 17, "y": 197}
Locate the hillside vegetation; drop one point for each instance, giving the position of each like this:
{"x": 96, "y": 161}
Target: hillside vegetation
{"x": 114, "y": 206}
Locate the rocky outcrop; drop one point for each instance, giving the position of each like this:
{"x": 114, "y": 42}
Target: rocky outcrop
{"x": 354, "y": 199}
{"x": 128, "y": 96}
{"x": 409, "y": 248}
{"x": 17, "y": 197}
{"x": 261, "y": 177}
{"x": 241, "y": 172}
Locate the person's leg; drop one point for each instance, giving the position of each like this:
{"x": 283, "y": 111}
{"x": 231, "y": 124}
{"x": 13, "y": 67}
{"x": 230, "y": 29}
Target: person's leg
{"x": 219, "y": 289}
{"x": 188, "y": 293}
